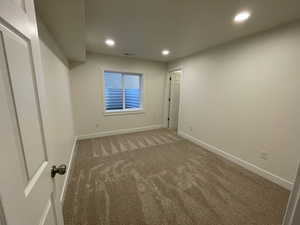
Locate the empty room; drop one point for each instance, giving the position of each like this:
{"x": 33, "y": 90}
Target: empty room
{"x": 149, "y": 112}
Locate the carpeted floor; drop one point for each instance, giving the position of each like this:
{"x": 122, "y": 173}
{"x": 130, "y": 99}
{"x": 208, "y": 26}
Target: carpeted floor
{"x": 157, "y": 178}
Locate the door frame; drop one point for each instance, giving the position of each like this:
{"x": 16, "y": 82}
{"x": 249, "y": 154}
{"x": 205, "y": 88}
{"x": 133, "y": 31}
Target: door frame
{"x": 293, "y": 206}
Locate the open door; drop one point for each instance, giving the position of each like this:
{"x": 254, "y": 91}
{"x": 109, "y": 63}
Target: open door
{"x": 26, "y": 186}
{"x": 174, "y": 98}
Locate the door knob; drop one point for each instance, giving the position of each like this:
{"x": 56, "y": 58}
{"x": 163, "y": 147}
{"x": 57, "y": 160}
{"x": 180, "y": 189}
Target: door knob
{"x": 61, "y": 170}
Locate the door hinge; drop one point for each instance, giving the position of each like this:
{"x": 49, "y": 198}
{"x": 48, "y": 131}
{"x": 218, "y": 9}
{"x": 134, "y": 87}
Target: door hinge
{"x": 169, "y": 99}
{"x": 170, "y": 78}
{"x": 168, "y": 119}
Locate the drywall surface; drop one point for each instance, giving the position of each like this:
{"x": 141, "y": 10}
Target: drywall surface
{"x": 243, "y": 98}
{"x": 88, "y": 100}
{"x": 59, "y": 109}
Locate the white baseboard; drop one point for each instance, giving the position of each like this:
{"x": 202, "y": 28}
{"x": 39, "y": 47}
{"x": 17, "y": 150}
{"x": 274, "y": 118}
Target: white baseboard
{"x": 249, "y": 166}
{"x": 120, "y": 131}
{"x": 67, "y": 177}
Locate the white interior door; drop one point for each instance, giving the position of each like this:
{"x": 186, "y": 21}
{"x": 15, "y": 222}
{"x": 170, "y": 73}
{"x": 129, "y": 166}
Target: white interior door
{"x": 174, "y": 99}
{"x": 26, "y": 187}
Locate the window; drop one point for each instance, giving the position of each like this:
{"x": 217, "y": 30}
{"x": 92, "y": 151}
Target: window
{"x": 122, "y": 91}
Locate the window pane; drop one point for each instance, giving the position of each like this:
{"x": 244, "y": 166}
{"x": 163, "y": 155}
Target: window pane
{"x": 113, "y": 91}
{"x": 132, "y": 91}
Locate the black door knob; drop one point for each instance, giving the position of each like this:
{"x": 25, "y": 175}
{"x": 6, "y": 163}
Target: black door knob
{"x": 61, "y": 170}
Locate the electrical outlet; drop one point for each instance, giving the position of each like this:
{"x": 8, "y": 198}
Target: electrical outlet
{"x": 264, "y": 155}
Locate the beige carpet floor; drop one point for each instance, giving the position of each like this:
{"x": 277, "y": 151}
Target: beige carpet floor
{"x": 157, "y": 178}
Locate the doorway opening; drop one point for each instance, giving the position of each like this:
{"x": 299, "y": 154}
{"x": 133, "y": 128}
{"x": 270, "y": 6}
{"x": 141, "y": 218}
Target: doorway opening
{"x": 174, "y": 98}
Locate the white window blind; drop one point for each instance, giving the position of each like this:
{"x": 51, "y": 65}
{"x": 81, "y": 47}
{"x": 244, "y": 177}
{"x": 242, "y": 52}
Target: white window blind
{"x": 122, "y": 91}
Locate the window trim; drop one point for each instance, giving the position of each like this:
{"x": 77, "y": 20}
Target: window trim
{"x": 123, "y": 111}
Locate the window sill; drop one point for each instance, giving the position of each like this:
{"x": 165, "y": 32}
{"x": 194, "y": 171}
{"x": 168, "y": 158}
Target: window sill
{"x": 123, "y": 112}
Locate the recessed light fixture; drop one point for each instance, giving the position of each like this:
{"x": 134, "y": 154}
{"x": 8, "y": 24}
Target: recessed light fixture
{"x": 110, "y": 42}
{"x": 242, "y": 16}
{"x": 165, "y": 52}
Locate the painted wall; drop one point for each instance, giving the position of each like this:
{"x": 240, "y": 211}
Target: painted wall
{"x": 87, "y": 94}
{"x": 59, "y": 108}
{"x": 243, "y": 98}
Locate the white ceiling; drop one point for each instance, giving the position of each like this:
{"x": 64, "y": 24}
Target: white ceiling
{"x": 145, "y": 27}
{"x": 66, "y": 21}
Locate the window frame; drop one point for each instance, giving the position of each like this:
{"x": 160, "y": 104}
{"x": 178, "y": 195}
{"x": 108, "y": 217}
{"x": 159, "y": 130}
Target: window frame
{"x": 123, "y": 111}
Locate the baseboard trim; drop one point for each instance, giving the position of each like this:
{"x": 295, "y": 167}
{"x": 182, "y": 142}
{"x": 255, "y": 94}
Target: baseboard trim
{"x": 120, "y": 131}
{"x": 69, "y": 168}
{"x": 249, "y": 166}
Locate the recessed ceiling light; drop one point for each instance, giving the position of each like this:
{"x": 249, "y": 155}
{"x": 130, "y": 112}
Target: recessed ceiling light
{"x": 110, "y": 42}
{"x": 242, "y": 16}
{"x": 165, "y": 52}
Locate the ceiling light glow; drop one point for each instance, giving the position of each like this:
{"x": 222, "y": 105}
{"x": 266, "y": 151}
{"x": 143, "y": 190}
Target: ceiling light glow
{"x": 165, "y": 52}
{"x": 242, "y": 16}
{"x": 110, "y": 42}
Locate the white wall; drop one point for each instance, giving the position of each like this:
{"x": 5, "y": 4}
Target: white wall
{"x": 59, "y": 109}
{"x": 243, "y": 98}
{"x": 87, "y": 94}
